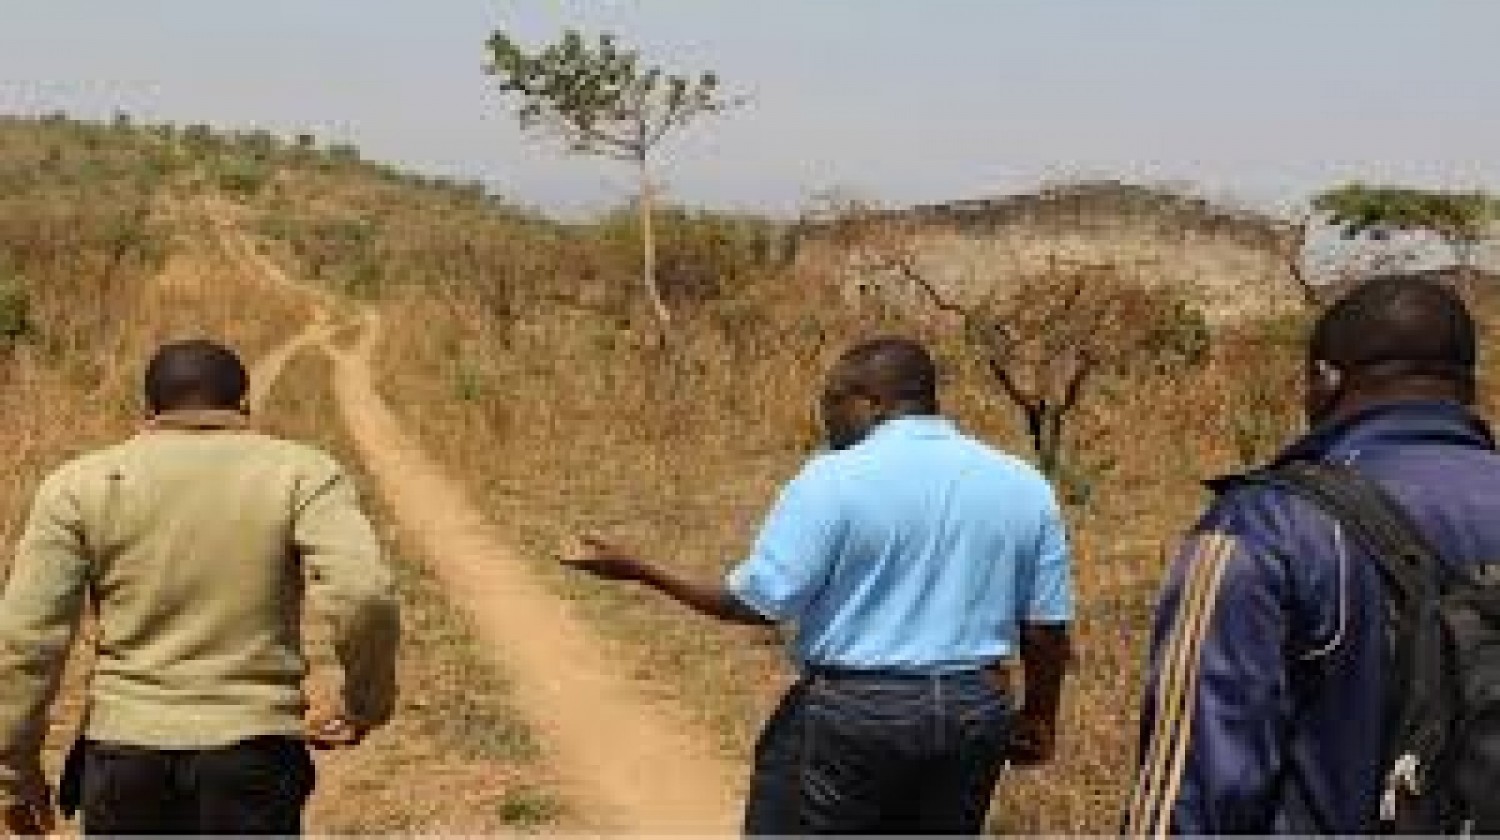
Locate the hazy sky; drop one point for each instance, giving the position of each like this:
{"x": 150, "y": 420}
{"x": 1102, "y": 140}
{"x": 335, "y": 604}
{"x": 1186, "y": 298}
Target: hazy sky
{"x": 905, "y": 100}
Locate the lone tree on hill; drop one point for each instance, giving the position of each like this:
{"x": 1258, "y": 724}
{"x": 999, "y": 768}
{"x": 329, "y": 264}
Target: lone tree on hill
{"x": 599, "y": 99}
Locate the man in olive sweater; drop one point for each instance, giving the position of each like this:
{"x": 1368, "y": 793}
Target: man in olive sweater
{"x": 192, "y": 540}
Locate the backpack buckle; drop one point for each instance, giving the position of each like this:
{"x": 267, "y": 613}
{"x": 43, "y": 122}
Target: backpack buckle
{"x": 1405, "y": 777}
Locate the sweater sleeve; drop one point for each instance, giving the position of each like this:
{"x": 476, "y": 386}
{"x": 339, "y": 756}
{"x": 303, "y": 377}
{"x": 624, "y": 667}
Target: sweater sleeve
{"x": 352, "y": 585}
{"x": 39, "y": 614}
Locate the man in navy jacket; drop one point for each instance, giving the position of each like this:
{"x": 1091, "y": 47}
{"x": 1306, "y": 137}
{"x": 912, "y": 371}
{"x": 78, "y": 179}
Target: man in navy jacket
{"x": 1264, "y": 709}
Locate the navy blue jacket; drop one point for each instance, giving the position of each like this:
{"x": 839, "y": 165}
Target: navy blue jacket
{"x": 1264, "y": 708}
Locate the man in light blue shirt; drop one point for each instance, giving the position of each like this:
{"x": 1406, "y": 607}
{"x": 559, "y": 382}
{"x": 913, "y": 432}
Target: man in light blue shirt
{"x": 913, "y": 562}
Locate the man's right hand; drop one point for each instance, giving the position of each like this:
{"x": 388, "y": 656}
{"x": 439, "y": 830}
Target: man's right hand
{"x": 602, "y": 559}
{"x": 1033, "y": 741}
{"x": 334, "y": 732}
{"x": 1046, "y": 653}
{"x": 25, "y": 819}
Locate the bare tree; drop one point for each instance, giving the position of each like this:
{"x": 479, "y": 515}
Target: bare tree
{"x": 1048, "y": 336}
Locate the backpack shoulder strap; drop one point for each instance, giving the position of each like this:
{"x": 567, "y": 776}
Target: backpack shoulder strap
{"x": 1413, "y": 575}
{"x": 1408, "y": 564}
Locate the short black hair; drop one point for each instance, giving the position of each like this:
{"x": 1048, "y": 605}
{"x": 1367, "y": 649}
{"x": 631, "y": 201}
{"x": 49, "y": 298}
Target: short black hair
{"x": 1399, "y": 326}
{"x": 896, "y": 370}
{"x": 195, "y": 374}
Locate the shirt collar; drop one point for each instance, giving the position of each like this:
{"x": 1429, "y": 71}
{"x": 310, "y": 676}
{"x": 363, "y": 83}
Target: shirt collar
{"x": 1392, "y": 424}
{"x": 913, "y": 426}
{"x": 198, "y": 420}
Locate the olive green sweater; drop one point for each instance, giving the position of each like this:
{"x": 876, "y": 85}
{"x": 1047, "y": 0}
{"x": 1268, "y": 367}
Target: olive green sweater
{"x": 191, "y": 540}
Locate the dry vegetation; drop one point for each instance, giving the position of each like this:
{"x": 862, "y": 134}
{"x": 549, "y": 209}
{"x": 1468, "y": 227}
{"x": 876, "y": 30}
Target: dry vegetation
{"x": 557, "y": 434}
{"x": 103, "y": 255}
{"x": 82, "y": 243}
{"x": 518, "y": 351}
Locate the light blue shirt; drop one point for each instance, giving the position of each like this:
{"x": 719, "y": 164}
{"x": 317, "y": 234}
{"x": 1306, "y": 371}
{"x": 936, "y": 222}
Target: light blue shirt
{"x": 918, "y": 549}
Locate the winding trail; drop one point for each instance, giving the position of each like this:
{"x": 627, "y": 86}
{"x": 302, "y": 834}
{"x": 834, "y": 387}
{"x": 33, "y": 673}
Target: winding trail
{"x": 267, "y": 371}
{"x": 626, "y": 763}
{"x": 257, "y": 267}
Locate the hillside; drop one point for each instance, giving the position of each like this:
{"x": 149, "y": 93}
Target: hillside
{"x": 105, "y": 252}
{"x": 523, "y": 356}
{"x": 1101, "y": 205}
{"x": 1233, "y": 263}
{"x": 516, "y": 352}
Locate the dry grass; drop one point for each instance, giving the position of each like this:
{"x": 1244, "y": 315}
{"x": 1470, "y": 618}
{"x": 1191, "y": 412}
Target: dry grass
{"x": 516, "y": 353}
{"x": 457, "y": 759}
{"x": 80, "y": 232}
{"x": 555, "y": 436}
{"x": 513, "y": 351}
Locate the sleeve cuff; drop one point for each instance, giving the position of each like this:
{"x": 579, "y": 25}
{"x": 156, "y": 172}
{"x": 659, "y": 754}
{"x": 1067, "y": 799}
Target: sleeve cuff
{"x": 741, "y": 585}
{"x": 1065, "y": 617}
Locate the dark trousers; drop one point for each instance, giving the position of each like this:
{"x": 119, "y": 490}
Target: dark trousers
{"x": 259, "y": 786}
{"x": 873, "y": 754}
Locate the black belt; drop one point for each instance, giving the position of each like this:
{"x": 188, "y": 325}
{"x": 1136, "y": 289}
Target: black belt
{"x": 996, "y": 674}
{"x": 838, "y": 672}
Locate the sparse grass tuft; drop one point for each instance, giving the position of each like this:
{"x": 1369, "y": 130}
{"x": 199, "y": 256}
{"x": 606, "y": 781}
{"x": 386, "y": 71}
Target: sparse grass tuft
{"x": 528, "y": 809}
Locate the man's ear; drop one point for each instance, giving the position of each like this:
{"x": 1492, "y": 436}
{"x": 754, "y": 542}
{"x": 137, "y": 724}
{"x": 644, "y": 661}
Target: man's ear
{"x": 1330, "y": 378}
{"x": 875, "y": 411}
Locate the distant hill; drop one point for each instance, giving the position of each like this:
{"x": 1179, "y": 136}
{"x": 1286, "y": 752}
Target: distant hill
{"x": 1097, "y": 205}
{"x": 1233, "y": 260}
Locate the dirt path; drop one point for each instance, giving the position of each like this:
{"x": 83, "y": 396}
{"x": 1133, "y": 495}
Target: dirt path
{"x": 265, "y": 373}
{"x": 258, "y": 268}
{"x": 626, "y": 763}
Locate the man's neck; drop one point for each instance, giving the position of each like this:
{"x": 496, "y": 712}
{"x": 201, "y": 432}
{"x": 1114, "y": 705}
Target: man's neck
{"x": 903, "y": 410}
{"x": 198, "y": 419}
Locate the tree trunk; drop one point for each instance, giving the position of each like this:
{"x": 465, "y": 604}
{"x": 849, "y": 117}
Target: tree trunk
{"x": 1296, "y": 265}
{"x": 648, "y": 247}
{"x": 1044, "y": 427}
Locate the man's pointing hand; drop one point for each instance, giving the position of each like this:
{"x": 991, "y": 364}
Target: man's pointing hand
{"x": 602, "y": 559}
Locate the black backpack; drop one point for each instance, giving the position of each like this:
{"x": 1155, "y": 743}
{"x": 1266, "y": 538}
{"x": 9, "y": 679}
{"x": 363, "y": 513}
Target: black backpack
{"x": 1443, "y": 626}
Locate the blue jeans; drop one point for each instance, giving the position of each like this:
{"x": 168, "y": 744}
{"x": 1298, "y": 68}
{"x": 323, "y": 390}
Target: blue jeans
{"x": 880, "y": 754}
